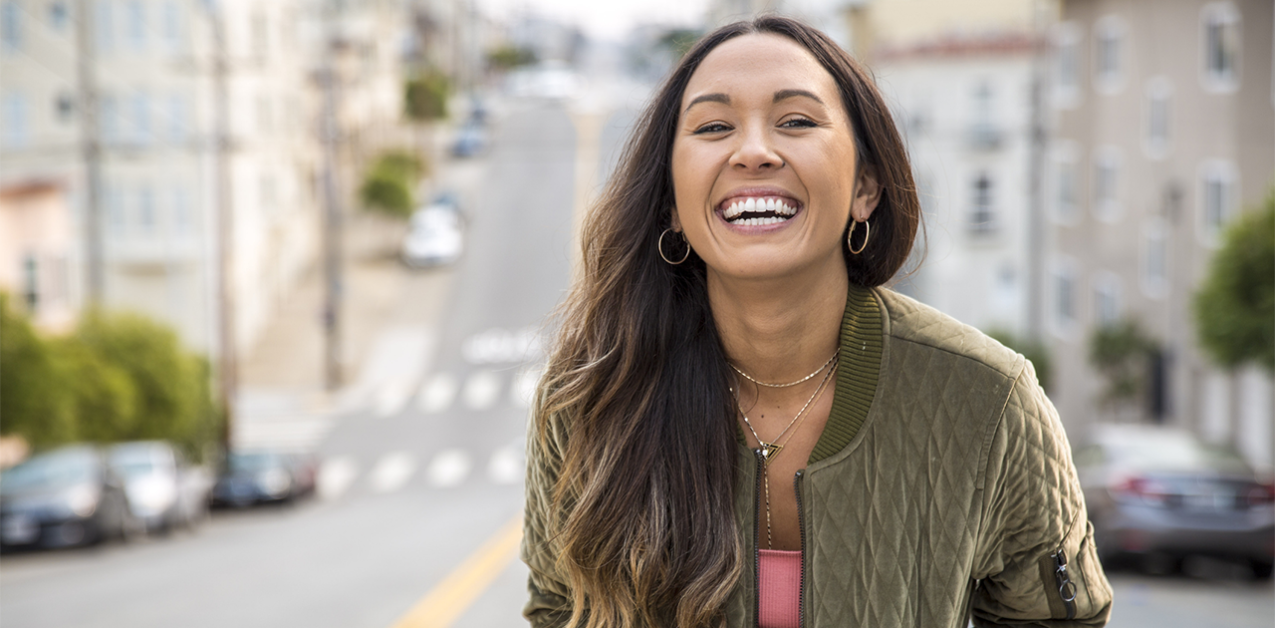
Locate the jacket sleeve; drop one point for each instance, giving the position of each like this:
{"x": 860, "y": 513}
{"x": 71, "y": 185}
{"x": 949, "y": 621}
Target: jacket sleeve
{"x": 548, "y": 604}
{"x": 1034, "y": 514}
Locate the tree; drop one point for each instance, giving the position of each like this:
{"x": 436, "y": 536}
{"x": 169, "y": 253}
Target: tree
{"x": 33, "y": 403}
{"x": 1123, "y": 354}
{"x": 102, "y": 396}
{"x": 508, "y": 57}
{"x": 1235, "y": 306}
{"x": 387, "y": 186}
{"x": 425, "y": 97}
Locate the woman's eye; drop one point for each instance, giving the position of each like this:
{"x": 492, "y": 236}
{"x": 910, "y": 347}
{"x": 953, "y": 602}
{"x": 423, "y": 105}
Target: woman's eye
{"x": 798, "y": 123}
{"x": 712, "y": 127}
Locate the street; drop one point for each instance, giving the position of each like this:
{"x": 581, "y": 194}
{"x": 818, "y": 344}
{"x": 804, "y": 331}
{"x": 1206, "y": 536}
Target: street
{"x": 421, "y": 489}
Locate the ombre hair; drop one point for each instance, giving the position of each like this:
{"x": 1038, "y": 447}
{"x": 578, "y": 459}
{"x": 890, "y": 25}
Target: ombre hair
{"x": 643, "y": 516}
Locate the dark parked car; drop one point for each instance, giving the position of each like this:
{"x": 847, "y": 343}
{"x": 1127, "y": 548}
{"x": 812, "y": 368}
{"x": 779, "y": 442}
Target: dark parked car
{"x": 164, "y": 489}
{"x": 254, "y": 477}
{"x": 1156, "y": 492}
{"x": 64, "y": 497}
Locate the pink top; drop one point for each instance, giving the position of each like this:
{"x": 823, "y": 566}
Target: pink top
{"x": 779, "y": 583}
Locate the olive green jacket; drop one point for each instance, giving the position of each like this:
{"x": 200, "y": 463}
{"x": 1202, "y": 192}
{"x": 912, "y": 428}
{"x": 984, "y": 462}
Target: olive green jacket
{"x": 941, "y": 489}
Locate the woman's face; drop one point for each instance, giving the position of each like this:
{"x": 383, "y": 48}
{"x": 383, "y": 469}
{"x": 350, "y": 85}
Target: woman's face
{"x": 764, "y": 162}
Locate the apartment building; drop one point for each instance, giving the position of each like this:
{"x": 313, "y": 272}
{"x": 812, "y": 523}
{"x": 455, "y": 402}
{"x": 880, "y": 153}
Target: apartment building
{"x": 154, "y": 67}
{"x": 1163, "y": 131}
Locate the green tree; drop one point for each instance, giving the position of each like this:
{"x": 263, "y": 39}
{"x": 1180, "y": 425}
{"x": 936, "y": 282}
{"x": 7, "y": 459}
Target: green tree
{"x": 425, "y": 97}
{"x": 1035, "y": 352}
{"x": 102, "y": 395}
{"x": 508, "y": 57}
{"x": 387, "y": 186}
{"x": 1121, "y": 352}
{"x": 1235, "y": 306}
{"x": 33, "y": 402}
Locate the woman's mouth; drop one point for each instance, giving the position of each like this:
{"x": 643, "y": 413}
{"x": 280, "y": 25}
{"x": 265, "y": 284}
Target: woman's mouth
{"x": 758, "y": 211}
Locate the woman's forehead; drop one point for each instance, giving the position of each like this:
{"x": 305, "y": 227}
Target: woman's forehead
{"x": 760, "y": 62}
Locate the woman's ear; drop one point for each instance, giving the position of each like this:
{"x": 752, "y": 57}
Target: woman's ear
{"x": 867, "y": 194}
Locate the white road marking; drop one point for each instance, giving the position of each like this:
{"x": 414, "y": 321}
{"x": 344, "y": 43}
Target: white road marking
{"x": 495, "y": 346}
{"x": 449, "y": 468}
{"x": 506, "y": 465}
{"x": 392, "y": 471}
{"x": 335, "y": 476}
{"x": 481, "y": 390}
{"x": 391, "y": 397}
{"x": 438, "y": 394}
{"x": 523, "y": 390}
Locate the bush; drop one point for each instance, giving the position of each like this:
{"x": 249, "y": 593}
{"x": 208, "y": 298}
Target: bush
{"x": 1122, "y": 353}
{"x": 508, "y": 57}
{"x": 387, "y": 186}
{"x": 33, "y": 400}
{"x": 425, "y": 97}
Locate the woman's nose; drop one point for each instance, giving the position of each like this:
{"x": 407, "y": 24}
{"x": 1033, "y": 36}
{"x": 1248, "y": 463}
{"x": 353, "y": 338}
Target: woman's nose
{"x": 755, "y": 152}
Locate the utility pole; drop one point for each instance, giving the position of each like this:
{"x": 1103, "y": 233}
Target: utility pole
{"x": 330, "y": 130}
{"x": 228, "y": 364}
{"x": 1037, "y": 139}
{"x": 91, "y": 149}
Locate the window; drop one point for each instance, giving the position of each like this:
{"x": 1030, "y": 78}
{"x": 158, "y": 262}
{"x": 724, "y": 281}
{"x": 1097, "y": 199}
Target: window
{"x": 982, "y": 209}
{"x": 171, "y": 25}
{"x": 1159, "y": 90}
{"x": 30, "y": 283}
{"x": 59, "y": 16}
{"x": 1221, "y": 46}
{"x": 176, "y": 121}
{"x": 1066, "y": 181}
{"x": 109, "y": 114}
{"x": 1064, "y": 296}
{"x": 64, "y": 107}
{"x": 13, "y": 111}
{"x": 1106, "y": 298}
{"x": 10, "y": 26}
{"x": 1066, "y": 65}
{"x": 104, "y": 26}
{"x": 141, "y": 119}
{"x": 114, "y": 203}
{"x": 135, "y": 24}
{"x": 1106, "y": 184}
{"x": 1109, "y": 54}
{"x": 1218, "y": 197}
{"x": 183, "y": 220}
{"x": 146, "y": 218}
{"x": 983, "y": 132}
{"x": 1155, "y": 259}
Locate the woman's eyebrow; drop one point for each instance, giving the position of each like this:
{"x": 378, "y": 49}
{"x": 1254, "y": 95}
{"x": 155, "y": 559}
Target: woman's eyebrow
{"x": 715, "y": 97}
{"x": 784, "y": 94}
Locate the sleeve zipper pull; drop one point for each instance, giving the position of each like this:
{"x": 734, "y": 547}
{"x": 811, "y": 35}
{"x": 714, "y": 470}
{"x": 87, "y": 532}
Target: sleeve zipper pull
{"x": 1066, "y": 588}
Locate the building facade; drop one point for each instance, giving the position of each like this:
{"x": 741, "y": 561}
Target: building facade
{"x": 1163, "y": 131}
{"x": 155, "y": 108}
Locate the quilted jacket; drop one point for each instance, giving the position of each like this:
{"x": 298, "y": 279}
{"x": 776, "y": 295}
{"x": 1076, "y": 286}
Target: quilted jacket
{"x": 941, "y": 491}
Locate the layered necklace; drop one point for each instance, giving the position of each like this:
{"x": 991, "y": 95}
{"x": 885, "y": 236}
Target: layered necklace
{"x": 770, "y": 450}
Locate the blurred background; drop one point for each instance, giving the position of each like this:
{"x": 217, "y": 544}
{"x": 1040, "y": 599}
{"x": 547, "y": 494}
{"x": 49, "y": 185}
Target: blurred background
{"x": 276, "y": 278}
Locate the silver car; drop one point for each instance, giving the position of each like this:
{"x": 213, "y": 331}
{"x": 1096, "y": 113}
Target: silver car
{"x": 1156, "y": 493}
{"x": 164, "y": 489}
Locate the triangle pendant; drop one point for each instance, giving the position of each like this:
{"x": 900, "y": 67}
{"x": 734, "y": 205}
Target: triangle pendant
{"x": 769, "y": 450}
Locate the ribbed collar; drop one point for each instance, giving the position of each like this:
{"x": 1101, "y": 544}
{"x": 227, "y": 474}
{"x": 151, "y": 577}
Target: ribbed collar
{"x": 857, "y": 373}
{"x": 860, "y": 365}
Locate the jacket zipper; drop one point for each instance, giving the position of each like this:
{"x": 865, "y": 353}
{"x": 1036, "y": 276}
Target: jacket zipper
{"x": 801, "y": 525}
{"x": 1066, "y": 588}
{"x": 757, "y": 540}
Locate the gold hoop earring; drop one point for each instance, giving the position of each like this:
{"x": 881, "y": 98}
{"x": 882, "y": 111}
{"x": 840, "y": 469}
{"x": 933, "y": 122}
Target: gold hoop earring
{"x": 867, "y": 231}
{"x": 660, "y": 247}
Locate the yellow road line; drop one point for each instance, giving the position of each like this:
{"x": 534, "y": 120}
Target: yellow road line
{"x": 458, "y": 591}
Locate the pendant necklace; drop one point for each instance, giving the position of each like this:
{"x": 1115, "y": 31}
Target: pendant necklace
{"x": 769, "y": 450}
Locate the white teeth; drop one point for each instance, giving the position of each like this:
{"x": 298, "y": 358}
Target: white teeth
{"x": 770, "y": 204}
{"x": 750, "y": 205}
{"x": 758, "y": 205}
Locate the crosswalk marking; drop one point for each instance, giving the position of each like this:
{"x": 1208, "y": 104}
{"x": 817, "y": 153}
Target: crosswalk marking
{"x": 437, "y": 395}
{"x": 392, "y": 397}
{"x": 335, "y": 476}
{"x": 506, "y": 465}
{"x": 449, "y": 468}
{"x": 288, "y": 434}
{"x": 481, "y": 390}
{"x": 392, "y": 471}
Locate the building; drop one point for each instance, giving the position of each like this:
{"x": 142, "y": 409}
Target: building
{"x": 36, "y": 243}
{"x": 156, "y": 107}
{"x": 1163, "y": 130}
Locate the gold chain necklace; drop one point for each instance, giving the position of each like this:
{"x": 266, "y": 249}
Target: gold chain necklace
{"x": 789, "y": 384}
{"x": 771, "y": 450}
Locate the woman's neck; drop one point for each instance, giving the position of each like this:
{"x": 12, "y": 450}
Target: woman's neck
{"x": 779, "y": 330}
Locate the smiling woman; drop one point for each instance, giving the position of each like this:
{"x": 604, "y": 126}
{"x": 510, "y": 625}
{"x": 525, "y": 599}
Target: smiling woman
{"x": 740, "y": 426}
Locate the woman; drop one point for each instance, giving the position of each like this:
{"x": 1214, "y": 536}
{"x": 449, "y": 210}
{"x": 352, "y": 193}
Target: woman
{"x": 739, "y": 426}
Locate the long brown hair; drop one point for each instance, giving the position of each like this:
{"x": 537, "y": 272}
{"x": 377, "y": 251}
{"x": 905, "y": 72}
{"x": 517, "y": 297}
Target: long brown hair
{"x": 644, "y": 500}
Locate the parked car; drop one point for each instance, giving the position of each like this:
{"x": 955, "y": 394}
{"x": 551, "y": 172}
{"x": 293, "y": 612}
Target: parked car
{"x": 164, "y": 489}
{"x": 255, "y": 477}
{"x": 65, "y": 497}
{"x": 471, "y": 139}
{"x": 1157, "y": 492}
{"x": 434, "y": 235}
